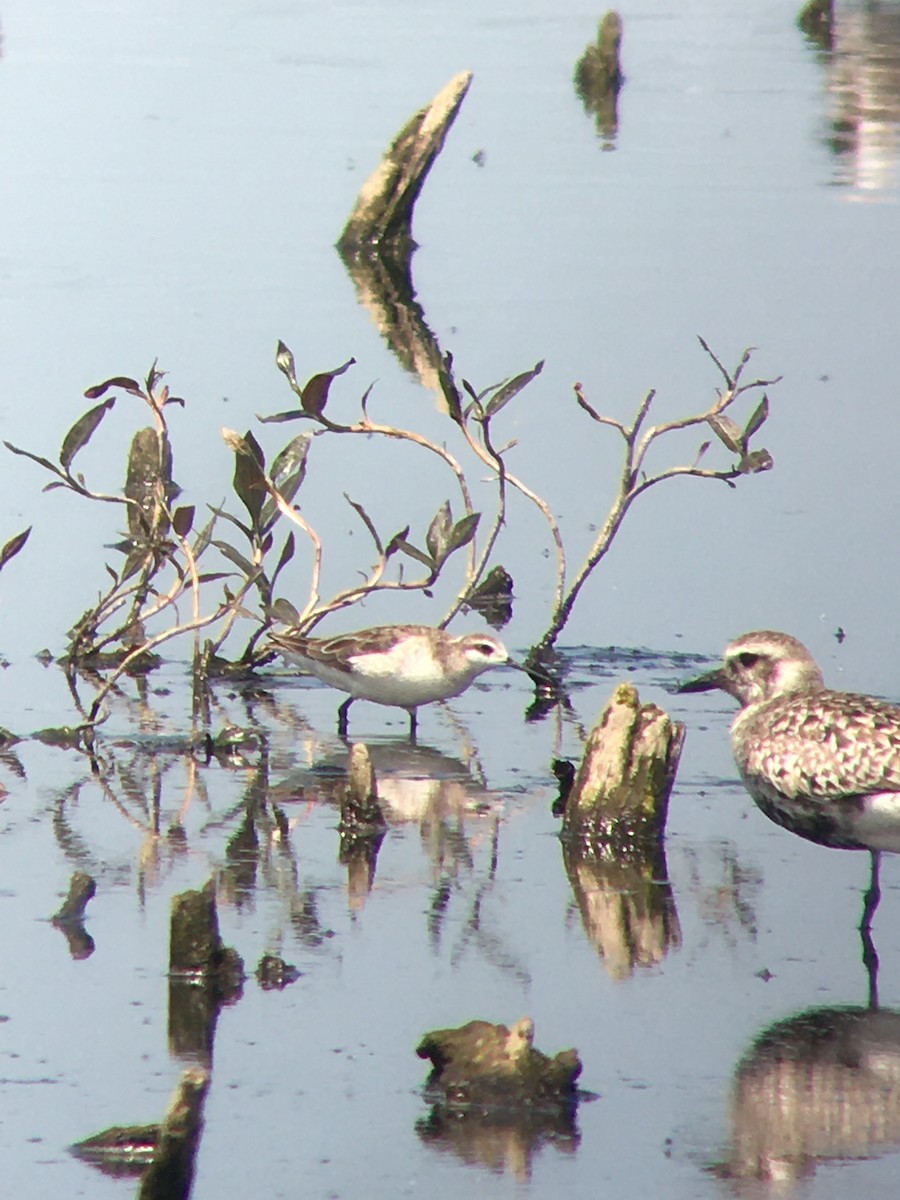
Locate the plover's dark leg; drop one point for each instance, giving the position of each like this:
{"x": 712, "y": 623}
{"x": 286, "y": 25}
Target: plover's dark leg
{"x": 412, "y": 724}
{"x": 872, "y": 896}
{"x": 343, "y": 709}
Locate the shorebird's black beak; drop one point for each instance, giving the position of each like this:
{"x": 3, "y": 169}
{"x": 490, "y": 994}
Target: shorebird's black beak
{"x": 704, "y": 683}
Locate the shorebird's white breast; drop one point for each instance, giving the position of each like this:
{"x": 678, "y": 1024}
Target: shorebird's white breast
{"x": 407, "y": 674}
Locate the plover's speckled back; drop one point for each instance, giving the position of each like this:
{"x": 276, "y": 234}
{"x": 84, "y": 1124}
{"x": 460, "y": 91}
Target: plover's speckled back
{"x": 823, "y": 763}
{"x": 399, "y": 665}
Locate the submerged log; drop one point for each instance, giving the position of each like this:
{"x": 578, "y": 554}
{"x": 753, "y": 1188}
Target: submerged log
{"x": 204, "y": 974}
{"x": 481, "y": 1063}
{"x": 171, "y": 1173}
{"x": 620, "y": 796}
{"x": 164, "y": 1151}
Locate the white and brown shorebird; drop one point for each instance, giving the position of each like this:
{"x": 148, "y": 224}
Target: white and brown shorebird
{"x": 403, "y": 666}
{"x": 822, "y": 763}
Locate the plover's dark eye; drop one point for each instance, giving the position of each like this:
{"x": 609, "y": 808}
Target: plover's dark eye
{"x": 747, "y": 659}
{"x": 488, "y": 649}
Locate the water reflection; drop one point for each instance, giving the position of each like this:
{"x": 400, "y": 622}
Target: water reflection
{"x": 863, "y": 84}
{"x": 821, "y": 1085}
{"x": 627, "y": 906}
{"x": 498, "y": 1141}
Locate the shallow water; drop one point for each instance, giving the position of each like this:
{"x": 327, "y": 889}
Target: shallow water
{"x": 173, "y": 184}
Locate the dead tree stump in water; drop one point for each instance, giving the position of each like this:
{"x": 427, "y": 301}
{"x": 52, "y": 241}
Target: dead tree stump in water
{"x": 384, "y": 207}
{"x": 620, "y": 796}
{"x": 481, "y": 1063}
{"x": 204, "y": 973}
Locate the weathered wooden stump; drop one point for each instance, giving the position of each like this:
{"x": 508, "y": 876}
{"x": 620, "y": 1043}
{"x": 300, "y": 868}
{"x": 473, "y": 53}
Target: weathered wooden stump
{"x": 204, "y": 973}
{"x": 166, "y": 1151}
{"x": 82, "y": 889}
{"x": 384, "y": 207}
{"x": 171, "y": 1172}
{"x": 620, "y": 797}
{"x": 70, "y": 917}
{"x": 598, "y": 75}
{"x": 481, "y": 1063}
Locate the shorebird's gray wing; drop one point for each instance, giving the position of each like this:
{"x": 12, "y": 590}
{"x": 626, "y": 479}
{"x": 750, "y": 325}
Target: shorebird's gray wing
{"x": 825, "y": 746}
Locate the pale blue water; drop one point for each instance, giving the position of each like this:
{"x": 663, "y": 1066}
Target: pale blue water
{"x": 172, "y": 184}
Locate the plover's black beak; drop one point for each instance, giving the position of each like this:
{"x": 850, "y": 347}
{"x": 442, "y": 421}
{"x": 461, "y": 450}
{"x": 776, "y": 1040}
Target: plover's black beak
{"x": 703, "y": 683}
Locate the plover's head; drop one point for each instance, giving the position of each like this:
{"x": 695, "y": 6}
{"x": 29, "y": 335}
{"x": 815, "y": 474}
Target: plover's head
{"x": 482, "y": 651}
{"x": 760, "y": 666}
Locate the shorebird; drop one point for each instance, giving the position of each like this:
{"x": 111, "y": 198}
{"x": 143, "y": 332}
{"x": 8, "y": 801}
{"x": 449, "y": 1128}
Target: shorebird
{"x": 813, "y": 759}
{"x": 403, "y": 666}
{"x": 823, "y": 763}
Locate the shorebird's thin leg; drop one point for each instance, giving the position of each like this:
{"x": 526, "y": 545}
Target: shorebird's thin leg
{"x": 412, "y": 724}
{"x": 343, "y": 710}
{"x": 870, "y": 954}
{"x": 873, "y": 894}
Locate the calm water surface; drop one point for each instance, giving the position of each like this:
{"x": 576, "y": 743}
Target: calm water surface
{"x": 173, "y": 182}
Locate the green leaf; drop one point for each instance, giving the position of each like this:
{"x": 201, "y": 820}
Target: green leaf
{"x": 315, "y": 391}
{"x": 728, "y": 432}
{"x": 438, "y": 534}
{"x": 118, "y": 381}
{"x": 452, "y": 397}
{"x": 292, "y": 414}
{"x": 284, "y": 612}
{"x": 291, "y": 459}
{"x": 284, "y": 361}
{"x": 243, "y": 564}
{"x": 82, "y": 431}
{"x": 756, "y": 461}
{"x": 183, "y": 520}
{"x": 396, "y": 541}
{"x": 13, "y": 546}
{"x": 757, "y": 420}
{"x": 204, "y": 537}
{"x": 249, "y": 477}
{"x": 287, "y": 553}
{"x": 226, "y": 516}
{"x": 507, "y": 391}
{"x": 148, "y": 481}
{"x": 463, "y": 532}
{"x": 410, "y": 549}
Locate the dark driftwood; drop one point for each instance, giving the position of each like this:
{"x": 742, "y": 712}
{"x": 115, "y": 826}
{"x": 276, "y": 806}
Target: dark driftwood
{"x": 483, "y": 1063}
{"x": 384, "y": 207}
{"x": 70, "y": 917}
{"x": 599, "y": 78}
{"x": 81, "y": 890}
{"x": 204, "y": 974}
{"x": 171, "y": 1173}
{"x": 166, "y": 1152}
{"x": 620, "y": 796}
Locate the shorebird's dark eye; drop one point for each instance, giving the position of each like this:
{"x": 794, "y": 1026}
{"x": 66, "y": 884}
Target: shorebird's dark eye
{"x": 747, "y": 659}
{"x": 486, "y": 648}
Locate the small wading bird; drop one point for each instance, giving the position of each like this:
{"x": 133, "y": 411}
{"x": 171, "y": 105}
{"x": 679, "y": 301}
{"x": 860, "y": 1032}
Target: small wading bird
{"x": 824, "y": 764}
{"x": 398, "y": 665}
